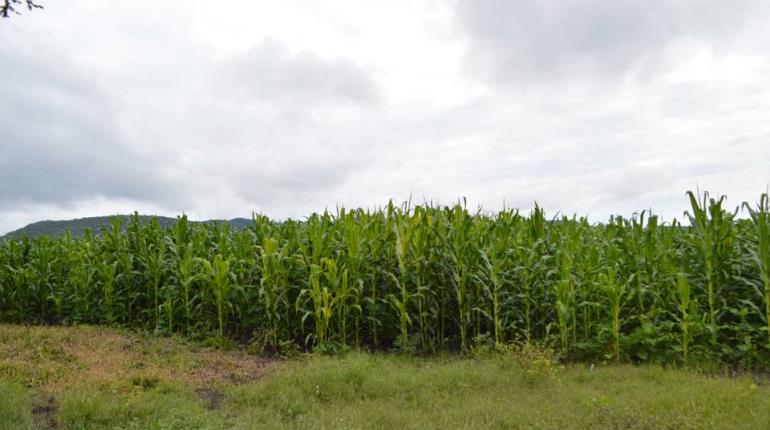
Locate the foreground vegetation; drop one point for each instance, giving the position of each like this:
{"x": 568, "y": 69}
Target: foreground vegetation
{"x": 96, "y": 378}
{"x": 420, "y": 279}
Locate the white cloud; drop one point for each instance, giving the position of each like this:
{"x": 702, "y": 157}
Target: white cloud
{"x": 595, "y": 107}
{"x": 596, "y": 39}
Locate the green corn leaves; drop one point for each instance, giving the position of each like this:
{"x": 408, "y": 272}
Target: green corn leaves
{"x": 420, "y": 278}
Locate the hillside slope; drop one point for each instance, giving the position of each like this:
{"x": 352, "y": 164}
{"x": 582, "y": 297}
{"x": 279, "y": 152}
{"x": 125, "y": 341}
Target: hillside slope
{"x": 78, "y": 226}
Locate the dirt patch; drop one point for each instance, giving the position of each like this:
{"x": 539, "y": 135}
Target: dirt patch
{"x": 212, "y": 397}
{"x": 55, "y": 358}
{"x": 119, "y": 357}
{"x": 44, "y": 414}
{"x": 232, "y": 367}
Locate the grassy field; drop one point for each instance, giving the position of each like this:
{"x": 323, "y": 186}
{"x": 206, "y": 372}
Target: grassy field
{"x": 96, "y": 378}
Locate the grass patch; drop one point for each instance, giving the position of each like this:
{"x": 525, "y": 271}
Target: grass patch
{"x": 163, "y": 407}
{"x": 15, "y": 407}
{"x": 364, "y": 391}
{"x": 94, "y": 380}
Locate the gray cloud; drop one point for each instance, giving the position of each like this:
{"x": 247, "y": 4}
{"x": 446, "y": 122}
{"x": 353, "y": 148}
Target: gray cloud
{"x": 61, "y": 141}
{"x": 247, "y": 131}
{"x": 537, "y": 41}
{"x": 595, "y": 107}
{"x": 269, "y": 73}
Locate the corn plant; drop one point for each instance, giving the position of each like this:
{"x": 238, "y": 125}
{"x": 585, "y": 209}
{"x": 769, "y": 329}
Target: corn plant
{"x": 614, "y": 292}
{"x": 273, "y": 284}
{"x": 760, "y": 217}
{"x": 686, "y": 311}
{"x": 185, "y": 277}
{"x": 459, "y": 228}
{"x": 403, "y": 230}
{"x": 420, "y": 278}
{"x": 713, "y": 231}
{"x": 323, "y": 304}
{"x": 108, "y": 272}
{"x": 218, "y": 279}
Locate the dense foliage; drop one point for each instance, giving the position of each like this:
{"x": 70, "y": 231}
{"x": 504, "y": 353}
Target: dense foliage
{"x": 420, "y": 279}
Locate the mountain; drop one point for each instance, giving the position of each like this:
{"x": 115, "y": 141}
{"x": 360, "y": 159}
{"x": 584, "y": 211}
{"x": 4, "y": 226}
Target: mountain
{"x": 78, "y": 226}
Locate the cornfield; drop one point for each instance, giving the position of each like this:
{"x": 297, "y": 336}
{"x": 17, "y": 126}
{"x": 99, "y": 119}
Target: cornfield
{"x": 420, "y": 279}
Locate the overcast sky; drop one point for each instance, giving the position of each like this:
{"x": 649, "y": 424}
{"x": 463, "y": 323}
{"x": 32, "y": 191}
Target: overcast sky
{"x": 218, "y": 109}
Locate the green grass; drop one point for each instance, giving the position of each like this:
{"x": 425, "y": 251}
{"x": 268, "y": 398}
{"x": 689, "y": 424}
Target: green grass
{"x": 165, "y": 406}
{"x": 487, "y": 390}
{"x": 15, "y": 409}
{"x": 360, "y": 391}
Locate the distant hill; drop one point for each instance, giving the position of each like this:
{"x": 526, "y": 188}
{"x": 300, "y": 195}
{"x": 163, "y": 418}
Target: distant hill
{"x": 78, "y": 226}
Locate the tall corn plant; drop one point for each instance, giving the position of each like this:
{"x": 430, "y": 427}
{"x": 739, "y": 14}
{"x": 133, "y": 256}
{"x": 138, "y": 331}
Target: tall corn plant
{"x": 376, "y": 235}
{"x": 108, "y": 273}
{"x": 244, "y": 268}
{"x": 713, "y": 233}
{"x": 273, "y": 284}
{"x": 186, "y": 277}
{"x": 760, "y": 217}
{"x": 498, "y": 258}
{"x": 354, "y": 247}
{"x": 565, "y": 287}
{"x": 154, "y": 271}
{"x": 322, "y": 299}
{"x": 218, "y": 280}
{"x": 614, "y": 292}
{"x": 461, "y": 256}
{"x": 687, "y": 310}
{"x": 531, "y": 253}
{"x": 81, "y": 281}
{"x": 345, "y": 297}
{"x": 422, "y": 251}
{"x": 403, "y": 229}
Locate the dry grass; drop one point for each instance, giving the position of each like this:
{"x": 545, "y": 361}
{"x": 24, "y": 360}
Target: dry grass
{"x": 49, "y": 359}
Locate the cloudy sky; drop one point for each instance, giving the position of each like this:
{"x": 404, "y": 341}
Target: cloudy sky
{"x": 218, "y": 109}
